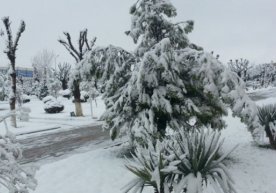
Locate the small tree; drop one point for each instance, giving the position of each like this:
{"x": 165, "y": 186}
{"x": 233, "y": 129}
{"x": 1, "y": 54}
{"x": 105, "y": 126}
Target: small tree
{"x": 10, "y": 51}
{"x": 108, "y": 68}
{"x": 172, "y": 82}
{"x": 62, "y": 74}
{"x": 240, "y": 67}
{"x": 78, "y": 54}
{"x": 42, "y": 64}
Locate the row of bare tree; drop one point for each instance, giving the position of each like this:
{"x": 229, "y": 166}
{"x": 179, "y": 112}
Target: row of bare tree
{"x": 77, "y": 51}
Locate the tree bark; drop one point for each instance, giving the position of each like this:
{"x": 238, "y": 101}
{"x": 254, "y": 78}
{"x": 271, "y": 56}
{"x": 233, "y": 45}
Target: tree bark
{"x": 64, "y": 84}
{"x": 77, "y": 95}
{"x": 13, "y": 97}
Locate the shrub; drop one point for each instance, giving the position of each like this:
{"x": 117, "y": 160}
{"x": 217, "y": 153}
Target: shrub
{"x": 84, "y": 95}
{"x": 82, "y": 99}
{"x": 65, "y": 93}
{"x": 51, "y": 105}
{"x": 267, "y": 118}
{"x": 26, "y": 98}
{"x": 48, "y": 98}
{"x": 147, "y": 166}
{"x": 201, "y": 161}
{"x": 183, "y": 163}
{"x": 14, "y": 177}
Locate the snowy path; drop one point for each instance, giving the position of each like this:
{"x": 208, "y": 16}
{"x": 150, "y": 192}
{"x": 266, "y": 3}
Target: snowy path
{"x": 56, "y": 144}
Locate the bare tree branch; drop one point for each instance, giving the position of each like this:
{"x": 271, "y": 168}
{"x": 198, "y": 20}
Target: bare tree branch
{"x": 83, "y": 45}
{"x": 19, "y": 33}
{"x": 67, "y": 47}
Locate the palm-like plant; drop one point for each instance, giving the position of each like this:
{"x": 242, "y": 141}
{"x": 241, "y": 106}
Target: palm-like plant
{"x": 183, "y": 163}
{"x": 267, "y": 118}
{"x": 201, "y": 163}
{"x": 148, "y": 167}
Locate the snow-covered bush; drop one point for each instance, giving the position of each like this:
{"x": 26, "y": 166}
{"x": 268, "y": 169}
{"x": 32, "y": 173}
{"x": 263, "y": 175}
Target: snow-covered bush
{"x": 184, "y": 163}
{"x": 14, "y": 177}
{"x": 107, "y": 68}
{"x": 26, "y": 98}
{"x": 85, "y": 95}
{"x": 201, "y": 161}
{"x": 48, "y": 98}
{"x": 4, "y": 87}
{"x": 149, "y": 165}
{"x": 54, "y": 86}
{"x": 52, "y": 105}
{"x": 65, "y": 93}
{"x": 267, "y": 117}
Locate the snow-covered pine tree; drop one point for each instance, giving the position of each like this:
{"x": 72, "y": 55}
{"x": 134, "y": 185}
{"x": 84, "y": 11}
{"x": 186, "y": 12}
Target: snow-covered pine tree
{"x": 172, "y": 81}
{"x": 108, "y": 68}
{"x": 43, "y": 92}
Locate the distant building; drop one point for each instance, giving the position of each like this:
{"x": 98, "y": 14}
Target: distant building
{"x": 20, "y": 71}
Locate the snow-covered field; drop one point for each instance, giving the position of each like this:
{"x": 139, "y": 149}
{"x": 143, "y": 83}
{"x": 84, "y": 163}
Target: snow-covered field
{"x": 42, "y": 121}
{"x": 102, "y": 171}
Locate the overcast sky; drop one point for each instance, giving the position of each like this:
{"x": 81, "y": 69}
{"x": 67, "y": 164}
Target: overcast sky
{"x": 230, "y": 28}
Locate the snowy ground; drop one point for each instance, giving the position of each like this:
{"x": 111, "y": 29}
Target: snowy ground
{"x": 41, "y": 121}
{"x": 102, "y": 171}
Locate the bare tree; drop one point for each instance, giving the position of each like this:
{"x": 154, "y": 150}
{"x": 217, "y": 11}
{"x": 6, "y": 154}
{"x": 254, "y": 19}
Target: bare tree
{"x": 77, "y": 52}
{"x": 42, "y": 63}
{"x": 240, "y": 67}
{"x": 62, "y": 74}
{"x": 11, "y": 47}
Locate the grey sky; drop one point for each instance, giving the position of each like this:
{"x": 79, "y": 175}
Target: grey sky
{"x": 231, "y": 28}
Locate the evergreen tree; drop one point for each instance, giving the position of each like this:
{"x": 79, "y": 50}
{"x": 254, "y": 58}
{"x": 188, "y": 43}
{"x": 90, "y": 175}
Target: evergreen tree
{"x": 173, "y": 80}
{"x": 107, "y": 68}
{"x": 43, "y": 92}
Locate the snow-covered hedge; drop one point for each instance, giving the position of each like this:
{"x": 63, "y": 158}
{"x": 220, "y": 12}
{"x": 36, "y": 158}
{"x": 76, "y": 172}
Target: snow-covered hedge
{"x": 52, "y": 105}
{"x": 84, "y": 95}
{"x": 65, "y": 93}
{"x": 48, "y": 98}
{"x": 26, "y": 98}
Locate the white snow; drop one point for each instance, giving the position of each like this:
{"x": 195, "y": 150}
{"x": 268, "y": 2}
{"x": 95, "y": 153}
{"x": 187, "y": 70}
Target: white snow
{"x": 101, "y": 171}
{"x": 42, "y": 121}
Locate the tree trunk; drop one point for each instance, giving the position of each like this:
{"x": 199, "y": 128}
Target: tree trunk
{"x": 64, "y": 84}
{"x": 76, "y": 93}
{"x": 13, "y": 96}
{"x": 78, "y": 109}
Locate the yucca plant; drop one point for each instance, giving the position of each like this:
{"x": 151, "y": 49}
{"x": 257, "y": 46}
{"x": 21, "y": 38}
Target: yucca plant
{"x": 148, "y": 165}
{"x": 183, "y": 163}
{"x": 201, "y": 163}
{"x": 267, "y": 118}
